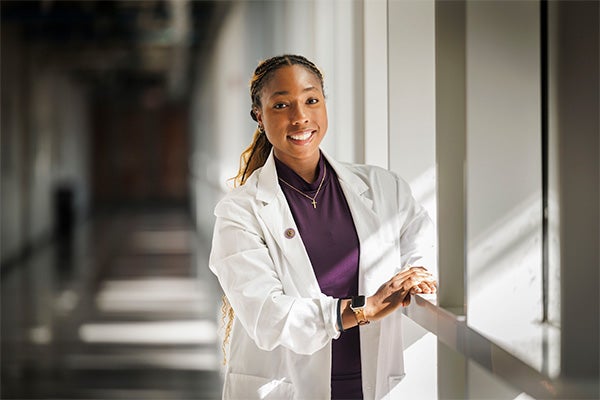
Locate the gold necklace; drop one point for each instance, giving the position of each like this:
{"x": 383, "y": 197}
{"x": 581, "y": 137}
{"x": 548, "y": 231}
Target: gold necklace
{"x": 313, "y": 199}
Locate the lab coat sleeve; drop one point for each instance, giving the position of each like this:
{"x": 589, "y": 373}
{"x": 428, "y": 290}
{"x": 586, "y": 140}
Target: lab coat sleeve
{"x": 417, "y": 236}
{"x": 245, "y": 269}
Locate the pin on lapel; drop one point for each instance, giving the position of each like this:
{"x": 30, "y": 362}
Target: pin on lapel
{"x": 289, "y": 233}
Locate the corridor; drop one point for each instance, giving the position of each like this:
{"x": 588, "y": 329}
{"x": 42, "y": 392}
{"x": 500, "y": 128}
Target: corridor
{"x": 124, "y": 309}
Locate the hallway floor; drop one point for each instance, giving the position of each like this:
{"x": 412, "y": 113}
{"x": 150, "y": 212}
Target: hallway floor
{"x": 125, "y": 309}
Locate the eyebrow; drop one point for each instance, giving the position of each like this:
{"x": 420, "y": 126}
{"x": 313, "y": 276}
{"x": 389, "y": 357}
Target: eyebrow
{"x": 284, "y": 92}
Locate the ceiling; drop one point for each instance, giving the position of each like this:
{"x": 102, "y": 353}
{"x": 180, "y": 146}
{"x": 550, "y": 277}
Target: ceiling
{"x": 120, "y": 46}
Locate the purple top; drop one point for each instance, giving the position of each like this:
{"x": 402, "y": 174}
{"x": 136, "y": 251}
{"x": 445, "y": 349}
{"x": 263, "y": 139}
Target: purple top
{"x": 330, "y": 239}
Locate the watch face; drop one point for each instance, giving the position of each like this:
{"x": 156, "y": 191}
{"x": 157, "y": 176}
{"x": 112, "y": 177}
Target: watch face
{"x": 358, "y": 301}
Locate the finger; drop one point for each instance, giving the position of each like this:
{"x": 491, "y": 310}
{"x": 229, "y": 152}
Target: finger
{"x": 408, "y": 284}
{"x": 425, "y": 286}
{"x": 406, "y": 301}
{"x": 428, "y": 279}
{"x": 428, "y": 288}
{"x": 433, "y": 286}
{"x": 422, "y": 274}
{"x": 421, "y": 288}
{"x": 416, "y": 290}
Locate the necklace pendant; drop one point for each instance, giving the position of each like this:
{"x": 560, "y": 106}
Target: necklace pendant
{"x": 314, "y": 203}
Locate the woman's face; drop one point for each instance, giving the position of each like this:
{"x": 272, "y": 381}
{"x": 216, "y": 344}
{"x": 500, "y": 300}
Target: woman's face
{"x": 294, "y": 115}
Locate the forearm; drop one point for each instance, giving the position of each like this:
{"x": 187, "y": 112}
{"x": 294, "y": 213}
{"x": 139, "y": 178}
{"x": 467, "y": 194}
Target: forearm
{"x": 374, "y": 310}
{"x": 391, "y": 295}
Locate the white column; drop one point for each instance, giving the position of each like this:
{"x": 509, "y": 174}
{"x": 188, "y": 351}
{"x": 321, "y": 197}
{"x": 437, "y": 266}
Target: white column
{"x": 451, "y": 151}
{"x": 376, "y": 83}
{"x": 450, "y": 51}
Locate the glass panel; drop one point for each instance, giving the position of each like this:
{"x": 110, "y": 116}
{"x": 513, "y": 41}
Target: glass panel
{"x": 504, "y": 167}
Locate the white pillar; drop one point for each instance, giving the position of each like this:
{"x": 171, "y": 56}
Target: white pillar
{"x": 451, "y": 151}
{"x": 376, "y": 83}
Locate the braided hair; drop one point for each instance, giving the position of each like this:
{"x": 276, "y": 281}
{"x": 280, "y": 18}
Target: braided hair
{"x": 256, "y": 154}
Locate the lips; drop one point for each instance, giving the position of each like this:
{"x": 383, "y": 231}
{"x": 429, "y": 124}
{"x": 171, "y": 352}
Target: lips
{"x": 301, "y": 136}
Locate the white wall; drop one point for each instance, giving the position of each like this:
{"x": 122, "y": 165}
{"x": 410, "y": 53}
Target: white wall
{"x": 336, "y": 52}
{"x": 411, "y": 92}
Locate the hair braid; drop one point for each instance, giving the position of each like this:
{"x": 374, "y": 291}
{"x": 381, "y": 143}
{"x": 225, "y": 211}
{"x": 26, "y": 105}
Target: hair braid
{"x": 257, "y": 153}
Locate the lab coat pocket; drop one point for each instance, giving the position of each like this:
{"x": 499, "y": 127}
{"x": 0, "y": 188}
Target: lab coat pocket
{"x": 241, "y": 386}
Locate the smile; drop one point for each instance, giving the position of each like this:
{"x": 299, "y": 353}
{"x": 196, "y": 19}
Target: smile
{"x": 301, "y": 136}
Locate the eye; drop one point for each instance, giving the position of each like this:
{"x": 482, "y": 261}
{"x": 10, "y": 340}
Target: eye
{"x": 279, "y": 106}
{"x": 312, "y": 101}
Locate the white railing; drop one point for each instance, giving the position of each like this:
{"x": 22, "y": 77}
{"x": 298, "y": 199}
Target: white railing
{"x": 453, "y": 331}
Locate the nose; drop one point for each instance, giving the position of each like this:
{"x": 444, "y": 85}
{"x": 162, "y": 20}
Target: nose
{"x": 299, "y": 115}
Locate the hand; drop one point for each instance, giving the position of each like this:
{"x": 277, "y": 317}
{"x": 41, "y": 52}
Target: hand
{"x": 397, "y": 291}
{"x": 425, "y": 287}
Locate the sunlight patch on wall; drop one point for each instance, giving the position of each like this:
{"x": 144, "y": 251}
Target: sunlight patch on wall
{"x": 424, "y": 191}
{"x": 505, "y": 287}
{"x": 423, "y": 187}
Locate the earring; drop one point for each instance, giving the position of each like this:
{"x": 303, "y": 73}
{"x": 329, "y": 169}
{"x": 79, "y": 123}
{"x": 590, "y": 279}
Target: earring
{"x": 261, "y": 128}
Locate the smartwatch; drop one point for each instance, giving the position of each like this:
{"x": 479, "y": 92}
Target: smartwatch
{"x": 357, "y": 305}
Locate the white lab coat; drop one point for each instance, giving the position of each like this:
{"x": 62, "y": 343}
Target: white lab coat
{"x": 283, "y": 328}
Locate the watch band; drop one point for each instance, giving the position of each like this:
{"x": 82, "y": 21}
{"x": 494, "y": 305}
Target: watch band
{"x": 358, "y": 305}
{"x": 360, "y": 317}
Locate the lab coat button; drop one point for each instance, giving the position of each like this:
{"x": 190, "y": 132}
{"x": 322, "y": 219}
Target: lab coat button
{"x": 289, "y": 233}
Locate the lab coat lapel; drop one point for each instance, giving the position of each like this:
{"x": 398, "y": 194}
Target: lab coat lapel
{"x": 278, "y": 218}
{"x": 367, "y": 223}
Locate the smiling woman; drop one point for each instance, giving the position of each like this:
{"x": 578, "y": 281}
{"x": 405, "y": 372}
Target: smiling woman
{"x": 294, "y": 118}
{"x": 310, "y": 85}
{"x": 308, "y": 249}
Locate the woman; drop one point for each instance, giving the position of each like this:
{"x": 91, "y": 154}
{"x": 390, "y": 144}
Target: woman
{"x": 307, "y": 248}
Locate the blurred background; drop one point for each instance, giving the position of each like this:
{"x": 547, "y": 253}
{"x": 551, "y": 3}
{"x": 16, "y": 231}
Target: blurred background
{"x": 122, "y": 123}
{"x": 105, "y": 292}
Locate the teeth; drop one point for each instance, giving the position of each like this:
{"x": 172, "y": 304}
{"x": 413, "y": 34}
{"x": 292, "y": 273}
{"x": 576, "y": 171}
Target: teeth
{"x": 302, "y": 136}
